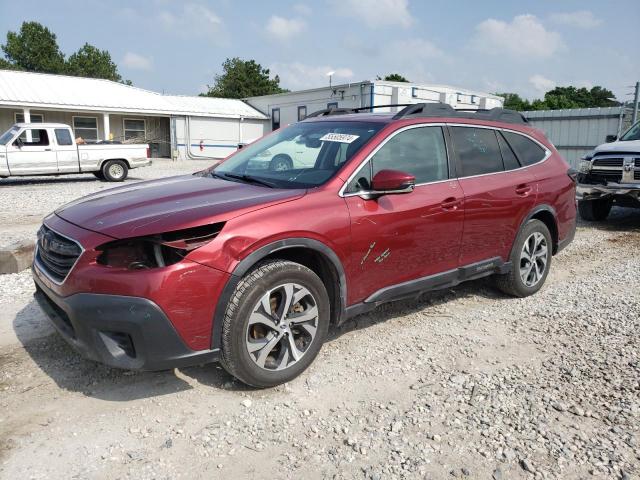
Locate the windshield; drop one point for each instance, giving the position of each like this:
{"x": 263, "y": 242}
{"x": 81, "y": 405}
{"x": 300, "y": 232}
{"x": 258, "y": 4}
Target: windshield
{"x": 8, "y": 135}
{"x": 632, "y": 134}
{"x": 303, "y": 155}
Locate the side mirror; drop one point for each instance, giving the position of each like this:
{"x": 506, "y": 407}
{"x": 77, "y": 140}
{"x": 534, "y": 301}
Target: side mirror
{"x": 611, "y": 138}
{"x": 18, "y": 142}
{"x": 390, "y": 182}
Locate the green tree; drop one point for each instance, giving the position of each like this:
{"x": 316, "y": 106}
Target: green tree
{"x": 393, "y": 77}
{"x": 514, "y": 101}
{"x": 243, "y": 78}
{"x": 34, "y": 48}
{"x": 92, "y": 62}
{"x": 572, "y": 97}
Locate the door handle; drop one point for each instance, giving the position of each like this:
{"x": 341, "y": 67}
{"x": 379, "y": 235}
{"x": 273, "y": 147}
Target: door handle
{"x": 523, "y": 189}
{"x": 47, "y": 149}
{"x": 450, "y": 203}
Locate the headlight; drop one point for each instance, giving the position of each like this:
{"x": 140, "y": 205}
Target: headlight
{"x": 142, "y": 253}
{"x": 584, "y": 166}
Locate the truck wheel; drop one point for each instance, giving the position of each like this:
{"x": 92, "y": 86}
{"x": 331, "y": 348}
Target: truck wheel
{"x": 99, "y": 175}
{"x": 530, "y": 259}
{"x": 275, "y": 323}
{"x": 115, "y": 170}
{"x": 594, "y": 210}
{"x": 281, "y": 162}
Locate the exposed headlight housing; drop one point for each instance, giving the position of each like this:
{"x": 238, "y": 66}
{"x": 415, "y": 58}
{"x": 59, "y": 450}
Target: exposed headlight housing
{"x": 154, "y": 251}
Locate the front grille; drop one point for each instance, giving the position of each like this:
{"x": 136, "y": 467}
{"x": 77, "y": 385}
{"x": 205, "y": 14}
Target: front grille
{"x": 637, "y": 162}
{"x": 636, "y": 175}
{"x": 608, "y": 162}
{"x": 607, "y": 175}
{"x": 56, "y": 254}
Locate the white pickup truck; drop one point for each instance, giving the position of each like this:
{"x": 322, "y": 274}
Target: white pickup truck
{"x": 50, "y": 149}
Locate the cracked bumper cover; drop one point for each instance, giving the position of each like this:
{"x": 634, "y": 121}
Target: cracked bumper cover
{"x": 119, "y": 331}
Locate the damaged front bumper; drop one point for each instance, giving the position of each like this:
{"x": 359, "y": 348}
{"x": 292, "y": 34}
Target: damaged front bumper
{"x": 593, "y": 192}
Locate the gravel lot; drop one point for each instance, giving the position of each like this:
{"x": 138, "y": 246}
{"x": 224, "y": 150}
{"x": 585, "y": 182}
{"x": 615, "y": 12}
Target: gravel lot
{"x": 462, "y": 383}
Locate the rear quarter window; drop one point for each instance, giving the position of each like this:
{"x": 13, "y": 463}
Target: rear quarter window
{"x": 527, "y": 151}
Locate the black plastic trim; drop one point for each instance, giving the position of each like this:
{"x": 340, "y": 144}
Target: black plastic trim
{"x": 92, "y": 323}
{"x": 539, "y": 208}
{"x": 248, "y": 262}
{"x": 437, "y": 281}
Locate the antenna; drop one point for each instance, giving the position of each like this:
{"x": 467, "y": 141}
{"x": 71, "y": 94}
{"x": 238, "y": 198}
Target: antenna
{"x": 330, "y": 74}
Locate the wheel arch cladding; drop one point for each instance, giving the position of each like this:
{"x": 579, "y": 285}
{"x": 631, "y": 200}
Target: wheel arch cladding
{"x": 313, "y": 254}
{"x": 547, "y": 215}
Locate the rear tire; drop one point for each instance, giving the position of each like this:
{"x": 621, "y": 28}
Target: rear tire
{"x": 115, "y": 170}
{"x": 275, "y": 323}
{"x": 594, "y": 210}
{"x": 530, "y": 261}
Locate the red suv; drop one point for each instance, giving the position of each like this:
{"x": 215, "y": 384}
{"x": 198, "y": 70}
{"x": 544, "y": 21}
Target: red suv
{"x": 250, "y": 261}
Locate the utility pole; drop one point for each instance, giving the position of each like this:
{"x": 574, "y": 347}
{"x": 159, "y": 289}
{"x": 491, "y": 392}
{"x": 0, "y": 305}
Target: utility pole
{"x": 635, "y": 104}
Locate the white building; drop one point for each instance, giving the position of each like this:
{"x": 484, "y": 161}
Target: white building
{"x": 290, "y": 107}
{"x": 178, "y": 126}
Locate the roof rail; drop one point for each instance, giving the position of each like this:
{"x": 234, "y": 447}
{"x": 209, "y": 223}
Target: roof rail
{"x": 343, "y": 111}
{"x": 433, "y": 110}
{"x": 445, "y": 110}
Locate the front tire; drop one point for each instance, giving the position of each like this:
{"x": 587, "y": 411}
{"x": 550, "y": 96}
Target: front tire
{"x": 275, "y": 324}
{"x": 530, "y": 261}
{"x": 594, "y": 210}
{"x": 99, "y": 175}
{"x": 115, "y": 170}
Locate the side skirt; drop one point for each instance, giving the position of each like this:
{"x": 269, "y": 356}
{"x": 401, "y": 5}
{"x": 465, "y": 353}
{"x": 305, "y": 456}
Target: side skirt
{"x": 438, "y": 281}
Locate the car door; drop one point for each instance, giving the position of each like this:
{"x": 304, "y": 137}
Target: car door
{"x": 32, "y": 153}
{"x": 66, "y": 151}
{"x": 498, "y": 193}
{"x": 403, "y": 237}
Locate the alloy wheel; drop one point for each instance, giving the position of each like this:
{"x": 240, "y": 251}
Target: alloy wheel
{"x": 282, "y": 326}
{"x": 116, "y": 171}
{"x": 533, "y": 259}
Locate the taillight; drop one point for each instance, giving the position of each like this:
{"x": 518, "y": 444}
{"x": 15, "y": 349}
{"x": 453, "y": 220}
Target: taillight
{"x": 148, "y": 152}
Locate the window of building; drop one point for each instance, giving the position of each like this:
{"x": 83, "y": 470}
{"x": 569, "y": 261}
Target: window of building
{"x": 332, "y": 105}
{"x": 302, "y": 112}
{"x": 63, "y": 136}
{"x": 477, "y": 149}
{"x": 134, "y": 128}
{"x": 414, "y": 92}
{"x": 275, "y": 119}
{"x": 39, "y": 138}
{"x": 418, "y": 151}
{"x": 86, "y": 128}
{"x": 508, "y": 157}
{"x": 35, "y": 117}
{"x": 528, "y": 151}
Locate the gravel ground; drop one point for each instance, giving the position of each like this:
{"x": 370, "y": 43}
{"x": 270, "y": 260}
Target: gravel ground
{"x": 462, "y": 383}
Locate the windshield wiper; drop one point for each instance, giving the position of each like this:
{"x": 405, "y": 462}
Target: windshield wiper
{"x": 246, "y": 178}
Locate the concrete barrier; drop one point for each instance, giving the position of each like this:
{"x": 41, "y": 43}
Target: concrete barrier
{"x": 17, "y": 256}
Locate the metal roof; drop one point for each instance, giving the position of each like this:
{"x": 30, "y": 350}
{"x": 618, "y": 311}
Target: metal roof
{"x": 60, "y": 92}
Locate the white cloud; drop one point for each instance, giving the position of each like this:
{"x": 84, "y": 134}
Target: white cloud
{"x": 541, "y": 83}
{"x": 137, "y": 62}
{"x": 376, "y": 13}
{"x": 578, "y": 19}
{"x": 415, "y": 48}
{"x": 524, "y": 37}
{"x": 302, "y": 9}
{"x": 280, "y": 28}
{"x": 191, "y": 19}
{"x": 298, "y": 76}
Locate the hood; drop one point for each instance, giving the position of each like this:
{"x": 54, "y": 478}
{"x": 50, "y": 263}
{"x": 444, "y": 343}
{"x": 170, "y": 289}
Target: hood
{"x": 167, "y": 204}
{"x": 626, "y": 146}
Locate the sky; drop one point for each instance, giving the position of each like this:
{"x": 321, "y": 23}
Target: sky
{"x": 527, "y": 47}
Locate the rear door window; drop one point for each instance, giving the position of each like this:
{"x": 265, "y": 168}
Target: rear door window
{"x": 528, "y": 151}
{"x": 508, "y": 157}
{"x": 477, "y": 149}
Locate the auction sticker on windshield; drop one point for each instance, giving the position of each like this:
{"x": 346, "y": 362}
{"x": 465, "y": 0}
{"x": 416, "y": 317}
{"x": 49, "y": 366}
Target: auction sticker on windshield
{"x": 339, "y": 137}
